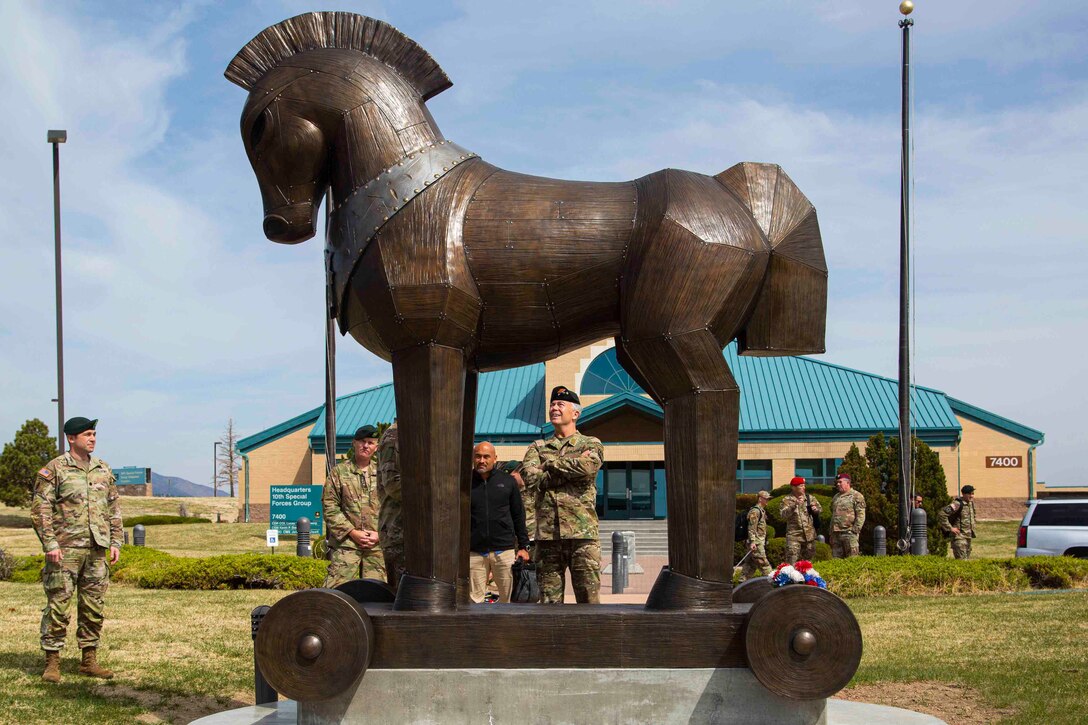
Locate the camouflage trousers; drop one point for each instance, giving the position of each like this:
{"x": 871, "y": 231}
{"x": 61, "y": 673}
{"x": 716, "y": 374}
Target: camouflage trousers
{"x": 756, "y": 561}
{"x": 798, "y": 548}
{"x": 394, "y": 563}
{"x": 844, "y": 544}
{"x": 83, "y": 571}
{"x": 348, "y": 564}
{"x": 961, "y": 548}
{"x": 582, "y": 557}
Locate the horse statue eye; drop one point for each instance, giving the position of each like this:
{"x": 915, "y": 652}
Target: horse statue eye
{"x": 258, "y": 129}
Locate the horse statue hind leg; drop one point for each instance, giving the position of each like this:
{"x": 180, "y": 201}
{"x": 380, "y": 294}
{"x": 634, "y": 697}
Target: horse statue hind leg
{"x": 713, "y": 259}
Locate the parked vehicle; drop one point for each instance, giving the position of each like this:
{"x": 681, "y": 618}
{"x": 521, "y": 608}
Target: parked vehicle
{"x": 1054, "y": 527}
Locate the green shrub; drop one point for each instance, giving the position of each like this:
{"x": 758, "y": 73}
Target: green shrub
{"x": 135, "y": 560}
{"x": 28, "y": 569}
{"x": 1053, "y": 572}
{"x": 156, "y": 519}
{"x": 7, "y": 565}
{"x": 236, "y": 571}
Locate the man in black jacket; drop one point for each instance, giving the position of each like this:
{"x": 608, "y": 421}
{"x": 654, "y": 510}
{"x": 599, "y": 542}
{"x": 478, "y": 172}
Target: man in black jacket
{"x": 498, "y": 525}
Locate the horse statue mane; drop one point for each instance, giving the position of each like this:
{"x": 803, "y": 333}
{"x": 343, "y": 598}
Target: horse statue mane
{"x": 313, "y": 31}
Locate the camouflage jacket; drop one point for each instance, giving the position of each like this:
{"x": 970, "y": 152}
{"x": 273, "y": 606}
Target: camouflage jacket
{"x": 528, "y": 499}
{"x": 388, "y": 456}
{"x": 350, "y": 501}
{"x": 959, "y": 514}
{"x": 848, "y": 512}
{"x": 561, "y": 474}
{"x": 76, "y": 506}
{"x": 796, "y": 515}
{"x": 757, "y": 526}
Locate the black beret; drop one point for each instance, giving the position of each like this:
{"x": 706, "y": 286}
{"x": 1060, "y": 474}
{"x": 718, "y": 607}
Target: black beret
{"x": 561, "y": 392}
{"x": 75, "y": 426}
{"x": 367, "y": 431}
{"x": 967, "y": 489}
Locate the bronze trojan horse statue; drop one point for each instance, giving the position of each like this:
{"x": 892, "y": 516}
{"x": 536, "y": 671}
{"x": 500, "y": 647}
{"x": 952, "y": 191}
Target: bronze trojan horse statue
{"x": 448, "y": 266}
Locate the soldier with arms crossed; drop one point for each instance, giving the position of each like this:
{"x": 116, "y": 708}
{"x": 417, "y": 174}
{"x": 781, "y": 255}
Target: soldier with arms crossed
{"x": 847, "y": 518}
{"x": 350, "y": 501}
{"x": 562, "y": 471}
{"x": 76, "y": 513}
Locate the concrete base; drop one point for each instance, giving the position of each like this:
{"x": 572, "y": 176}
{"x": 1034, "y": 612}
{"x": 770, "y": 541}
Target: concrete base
{"x": 493, "y": 697}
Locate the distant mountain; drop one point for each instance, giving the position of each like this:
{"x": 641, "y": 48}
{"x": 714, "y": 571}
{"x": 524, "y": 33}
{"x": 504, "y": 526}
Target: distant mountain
{"x": 176, "y": 486}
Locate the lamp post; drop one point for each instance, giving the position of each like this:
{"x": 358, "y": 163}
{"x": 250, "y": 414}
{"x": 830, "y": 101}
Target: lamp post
{"x": 215, "y": 471}
{"x": 906, "y": 445}
{"x": 57, "y": 137}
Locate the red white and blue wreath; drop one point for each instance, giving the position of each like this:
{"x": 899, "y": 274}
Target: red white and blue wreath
{"x": 799, "y": 573}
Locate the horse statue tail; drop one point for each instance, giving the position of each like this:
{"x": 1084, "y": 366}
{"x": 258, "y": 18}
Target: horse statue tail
{"x": 788, "y": 316}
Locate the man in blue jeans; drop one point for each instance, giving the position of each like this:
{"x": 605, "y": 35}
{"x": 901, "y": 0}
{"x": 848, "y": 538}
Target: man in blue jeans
{"x": 498, "y": 525}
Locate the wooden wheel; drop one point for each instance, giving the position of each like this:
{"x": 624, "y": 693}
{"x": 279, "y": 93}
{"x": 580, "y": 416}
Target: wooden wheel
{"x": 802, "y": 642}
{"x": 313, "y": 644}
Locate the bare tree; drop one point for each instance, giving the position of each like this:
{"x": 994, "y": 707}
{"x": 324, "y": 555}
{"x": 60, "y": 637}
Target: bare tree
{"x": 228, "y": 460}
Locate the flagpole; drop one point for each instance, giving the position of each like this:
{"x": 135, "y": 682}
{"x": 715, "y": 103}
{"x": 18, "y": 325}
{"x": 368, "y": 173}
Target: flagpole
{"x": 905, "y": 442}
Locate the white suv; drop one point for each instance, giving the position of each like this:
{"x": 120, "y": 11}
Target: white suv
{"x": 1054, "y": 527}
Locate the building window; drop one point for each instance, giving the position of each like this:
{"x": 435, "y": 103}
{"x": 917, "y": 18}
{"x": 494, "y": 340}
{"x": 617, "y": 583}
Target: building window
{"x": 605, "y": 376}
{"x": 817, "y": 470}
{"x": 753, "y": 476}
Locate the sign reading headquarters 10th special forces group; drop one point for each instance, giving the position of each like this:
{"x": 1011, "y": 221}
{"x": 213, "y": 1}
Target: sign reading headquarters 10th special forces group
{"x": 290, "y": 503}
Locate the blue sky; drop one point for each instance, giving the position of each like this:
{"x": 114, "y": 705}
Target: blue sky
{"x": 180, "y": 315}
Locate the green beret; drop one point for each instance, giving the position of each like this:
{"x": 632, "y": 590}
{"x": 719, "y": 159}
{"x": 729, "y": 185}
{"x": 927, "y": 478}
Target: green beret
{"x": 367, "y": 431}
{"x": 561, "y": 392}
{"x": 75, "y": 426}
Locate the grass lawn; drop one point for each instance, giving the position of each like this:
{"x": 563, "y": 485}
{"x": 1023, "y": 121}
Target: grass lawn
{"x": 995, "y": 539}
{"x": 179, "y": 655}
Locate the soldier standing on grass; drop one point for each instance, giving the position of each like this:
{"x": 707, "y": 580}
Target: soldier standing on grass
{"x": 350, "y": 501}
{"x": 76, "y": 513}
{"x": 797, "y": 511}
{"x": 957, "y": 520}
{"x": 390, "y": 532}
{"x": 563, "y": 472}
{"x": 757, "y": 539}
{"x": 847, "y": 518}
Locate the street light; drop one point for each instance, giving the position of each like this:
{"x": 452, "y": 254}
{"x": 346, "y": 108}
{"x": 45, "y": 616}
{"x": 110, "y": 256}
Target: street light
{"x": 215, "y": 472}
{"x": 57, "y": 137}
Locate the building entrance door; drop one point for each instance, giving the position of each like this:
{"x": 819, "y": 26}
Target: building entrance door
{"x": 628, "y": 490}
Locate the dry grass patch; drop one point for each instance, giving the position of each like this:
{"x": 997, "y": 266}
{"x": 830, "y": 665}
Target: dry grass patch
{"x": 951, "y": 703}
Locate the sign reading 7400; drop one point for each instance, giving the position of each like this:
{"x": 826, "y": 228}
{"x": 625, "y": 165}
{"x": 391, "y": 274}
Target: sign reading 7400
{"x": 1004, "y": 461}
{"x": 290, "y": 503}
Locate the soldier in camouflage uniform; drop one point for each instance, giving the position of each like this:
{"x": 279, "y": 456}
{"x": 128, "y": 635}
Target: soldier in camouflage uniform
{"x": 847, "y": 518}
{"x": 757, "y": 539}
{"x": 76, "y": 513}
{"x": 350, "y": 501}
{"x": 797, "y": 511}
{"x": 563, "y": 472}
{"x": 390, "y": 533}
{"x": 957, "y": 520}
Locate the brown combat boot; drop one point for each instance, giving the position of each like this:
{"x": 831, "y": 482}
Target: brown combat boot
{"x": 90, "y": 667}
{"x": 52, "y": 666}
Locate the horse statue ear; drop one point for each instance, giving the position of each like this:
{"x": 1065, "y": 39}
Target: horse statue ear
{"x": 313, "y": 31}
{"x": 790, "y": 315}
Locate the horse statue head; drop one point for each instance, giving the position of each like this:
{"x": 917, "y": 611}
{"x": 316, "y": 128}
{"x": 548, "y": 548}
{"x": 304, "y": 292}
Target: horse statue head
{"x": 327, "y": 85}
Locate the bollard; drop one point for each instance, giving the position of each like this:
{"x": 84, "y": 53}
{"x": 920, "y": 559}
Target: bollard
{"x": 262, "y": 691}
{"x": 302, "y": 540}
{"x": 125, "y": 532}
{"x": 139, "y": 535}
{"x": 629, "y": 557}
{"x": 880, "y": 541}
{"x": 919, "y": 540}
{"x": 619, "y": 562}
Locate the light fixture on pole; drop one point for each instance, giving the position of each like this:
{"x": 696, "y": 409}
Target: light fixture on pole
{"x": 57, "y": 137}
{"x": 906, "y": 444}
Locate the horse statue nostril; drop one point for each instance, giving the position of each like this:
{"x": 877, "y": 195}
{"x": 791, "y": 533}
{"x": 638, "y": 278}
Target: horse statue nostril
{"x": 275, "y": 226}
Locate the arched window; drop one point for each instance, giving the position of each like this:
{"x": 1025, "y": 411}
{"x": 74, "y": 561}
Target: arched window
{"x": 606, "y": 376}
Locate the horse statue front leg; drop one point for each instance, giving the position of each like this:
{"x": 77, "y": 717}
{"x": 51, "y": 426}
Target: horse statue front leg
{"x": 430, "y": 384}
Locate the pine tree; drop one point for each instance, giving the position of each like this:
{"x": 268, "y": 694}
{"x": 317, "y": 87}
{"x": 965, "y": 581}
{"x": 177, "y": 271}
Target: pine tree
{"x": 21, "y": 460}
{"x": 867, "y": 481}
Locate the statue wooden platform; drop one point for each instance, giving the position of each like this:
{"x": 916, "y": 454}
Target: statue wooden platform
{"x": 447, "y": 266}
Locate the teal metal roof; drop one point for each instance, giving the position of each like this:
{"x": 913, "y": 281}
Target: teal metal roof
{"x": 509, "y": 407}
{"x": 1011, "y": 427}
{"x": 782, "y": 399}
